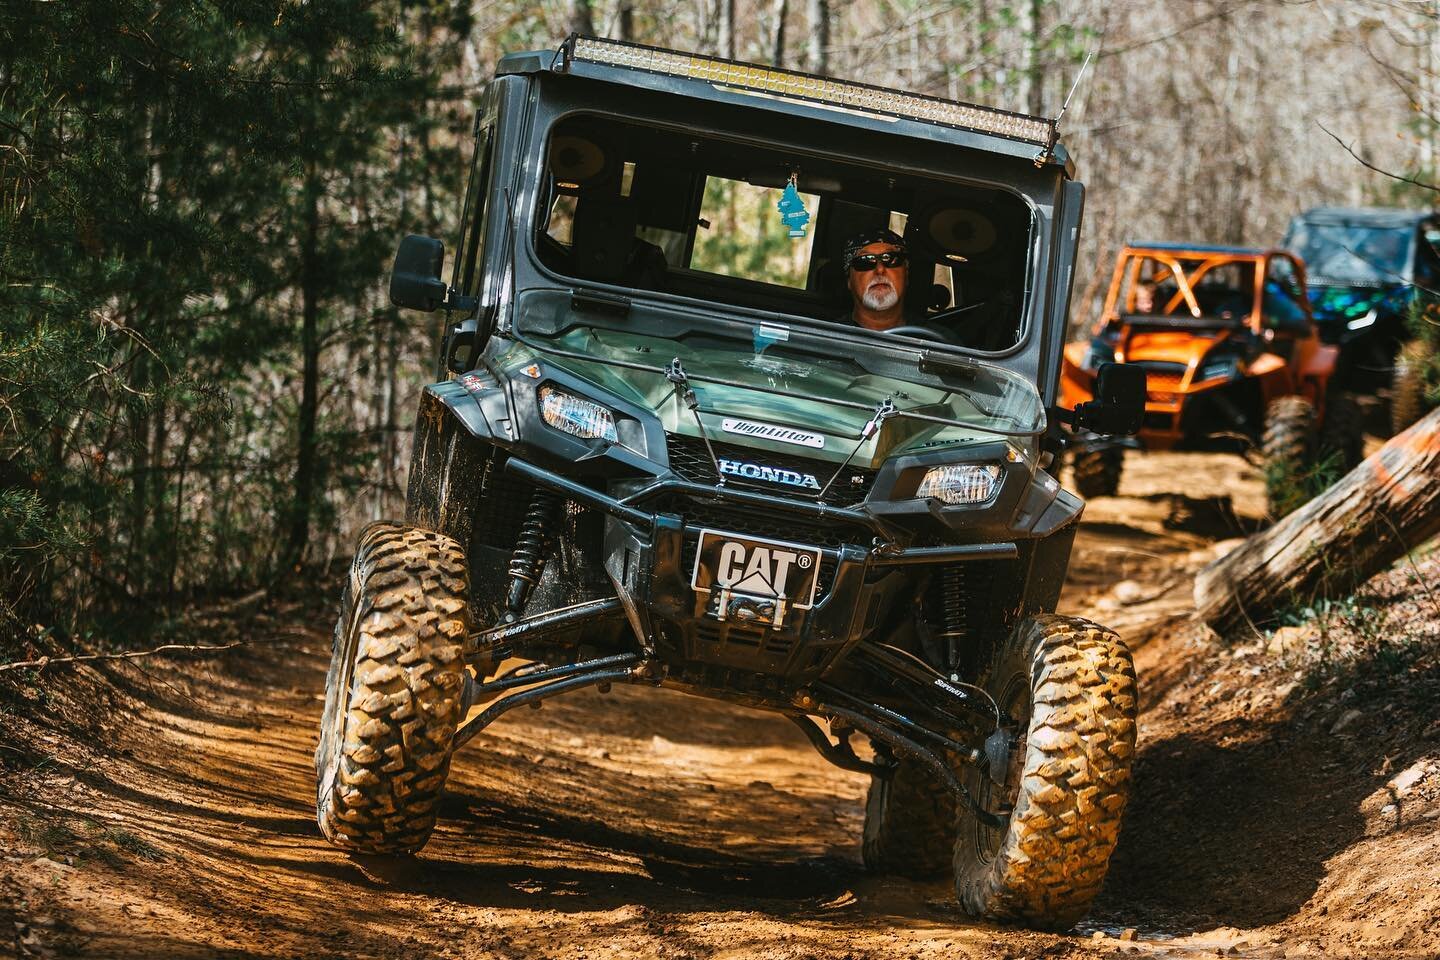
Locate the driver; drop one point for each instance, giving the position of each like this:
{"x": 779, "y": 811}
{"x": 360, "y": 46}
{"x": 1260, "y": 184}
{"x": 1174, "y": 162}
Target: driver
{"x": 876, "y": 273}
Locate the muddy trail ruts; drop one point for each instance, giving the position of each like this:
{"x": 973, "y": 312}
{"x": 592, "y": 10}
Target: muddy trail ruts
{"x": 644, "y": 823}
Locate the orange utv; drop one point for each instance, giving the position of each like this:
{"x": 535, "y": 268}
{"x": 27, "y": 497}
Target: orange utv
{"x": 1232, "y": 362}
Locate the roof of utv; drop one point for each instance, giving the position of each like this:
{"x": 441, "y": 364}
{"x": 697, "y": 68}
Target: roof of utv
{"x": 1381, "y": 217}
{"x": 800, "y": 94}
{"x": 1200, "y": 248}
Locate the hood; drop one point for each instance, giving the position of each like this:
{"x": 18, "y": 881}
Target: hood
{"x": 784, "y": 388}
{"x": 1183, "y": 348}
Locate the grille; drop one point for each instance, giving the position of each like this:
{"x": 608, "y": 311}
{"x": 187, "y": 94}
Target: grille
{"x": 753, "y": 650}
{"x": 1161, "y": 377}
{"x": 1161, "y": 368}
{"x": 691, "y": 461}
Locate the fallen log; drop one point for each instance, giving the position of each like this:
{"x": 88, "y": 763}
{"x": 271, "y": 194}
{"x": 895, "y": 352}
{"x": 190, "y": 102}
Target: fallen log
{"x": 1367, "y": 520}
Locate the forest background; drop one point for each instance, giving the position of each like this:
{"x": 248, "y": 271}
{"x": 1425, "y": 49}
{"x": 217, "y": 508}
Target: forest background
{"x": 203, "y": 389}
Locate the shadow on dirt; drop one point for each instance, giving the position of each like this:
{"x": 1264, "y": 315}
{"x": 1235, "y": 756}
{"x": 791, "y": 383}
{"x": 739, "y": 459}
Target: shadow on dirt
{"x": 541, "y": 848}
{"x": 1209, "y": 827}
{"x": 1212, "y": 517}
{"x": 1234, "y": 822}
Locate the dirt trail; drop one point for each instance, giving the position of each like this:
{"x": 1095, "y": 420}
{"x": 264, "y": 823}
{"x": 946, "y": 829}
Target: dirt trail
{"x": 643, "y": 823}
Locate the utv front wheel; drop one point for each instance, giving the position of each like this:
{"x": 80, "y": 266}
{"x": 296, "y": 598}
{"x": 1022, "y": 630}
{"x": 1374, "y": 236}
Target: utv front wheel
{"x": 1289, "y": 451}
{"x": 1069, "y": 685}
{"x": 1342, "y": 435}
{"x": 1097, "y": 472}
{"x": 393, "y": 694}
{"x": 1407, "y": 386}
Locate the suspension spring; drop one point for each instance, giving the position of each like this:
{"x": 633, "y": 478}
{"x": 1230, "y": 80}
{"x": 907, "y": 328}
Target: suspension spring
{"x": 532, "y": 547}
{"x": 953, "y": 609}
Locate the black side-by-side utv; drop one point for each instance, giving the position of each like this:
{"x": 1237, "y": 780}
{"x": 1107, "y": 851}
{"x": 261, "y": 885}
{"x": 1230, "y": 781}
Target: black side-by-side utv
{"x": 659, "y": 452}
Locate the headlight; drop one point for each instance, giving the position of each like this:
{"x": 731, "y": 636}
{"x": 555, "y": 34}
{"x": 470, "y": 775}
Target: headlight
{"x": 960, "y": 483}
{"x": 1214, "y": 369}
{"x": 1360, "y": 323}
{"x": 576, "y": 416}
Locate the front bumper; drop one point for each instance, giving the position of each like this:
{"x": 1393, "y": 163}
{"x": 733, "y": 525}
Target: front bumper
{"x": 649, "y": 554}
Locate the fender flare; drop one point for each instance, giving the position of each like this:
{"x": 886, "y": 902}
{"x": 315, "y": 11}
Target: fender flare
{"x": 462, "y": 424}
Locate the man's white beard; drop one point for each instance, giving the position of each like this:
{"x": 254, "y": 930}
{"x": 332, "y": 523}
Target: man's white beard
{"x": 880, "y": 296}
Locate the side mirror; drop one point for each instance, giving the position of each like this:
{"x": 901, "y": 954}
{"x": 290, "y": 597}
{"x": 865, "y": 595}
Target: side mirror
{"x": 1119, "y": 404}
{"x": 415, "y": 280}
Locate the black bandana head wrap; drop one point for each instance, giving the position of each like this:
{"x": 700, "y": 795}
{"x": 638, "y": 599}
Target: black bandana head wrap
{"x": 862, "y": 240}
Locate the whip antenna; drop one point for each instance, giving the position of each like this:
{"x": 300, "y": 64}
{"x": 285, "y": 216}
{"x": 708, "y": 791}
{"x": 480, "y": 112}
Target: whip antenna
{"x": 1073, "y": 87}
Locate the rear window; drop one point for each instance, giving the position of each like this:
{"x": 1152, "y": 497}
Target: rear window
{"x": 668, "y": 211}
{"x": 739, "y": 234}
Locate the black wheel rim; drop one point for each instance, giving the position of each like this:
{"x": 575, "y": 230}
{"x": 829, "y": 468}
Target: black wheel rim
{"x": 1014, "y": 701}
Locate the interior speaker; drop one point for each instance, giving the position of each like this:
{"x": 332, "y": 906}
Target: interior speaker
{"x": 960, "y": 230}
{"x": 577, "y": 160}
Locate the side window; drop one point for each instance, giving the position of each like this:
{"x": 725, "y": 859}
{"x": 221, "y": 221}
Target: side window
{"x": 1283, "y": 299}
{"x": 472, "y": 228}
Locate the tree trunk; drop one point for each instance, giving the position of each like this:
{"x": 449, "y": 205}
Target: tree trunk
{"x": 728, "y": 45}
{"x": 306, "y": 454}
{"x": 782, "y": 9}
{"x": 1372, "y": 517}
{"x": 627, "y": 21}
{"x": 581, "y": 20}
{"x": 1032, "y": 77}
{"x": 817, "y": 58}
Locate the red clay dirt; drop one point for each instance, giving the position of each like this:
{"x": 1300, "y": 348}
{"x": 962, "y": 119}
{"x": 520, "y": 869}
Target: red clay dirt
{"x": 1287, "y": 795}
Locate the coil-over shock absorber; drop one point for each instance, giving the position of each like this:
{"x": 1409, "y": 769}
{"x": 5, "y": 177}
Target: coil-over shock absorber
{"x": 954, "y": 622}
{"x": 532, "y": 547}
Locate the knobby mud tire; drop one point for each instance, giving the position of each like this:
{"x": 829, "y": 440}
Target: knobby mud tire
{"x": 1288, "y": 448}
{"x": 909, "y": 823}
{"x": 393, "y": 694}
{"x": 1407, "y": 386}
{"x": 1068, "y": 782}
{"x": 1342, "y": 436}
{"x": 1097, "y": 472}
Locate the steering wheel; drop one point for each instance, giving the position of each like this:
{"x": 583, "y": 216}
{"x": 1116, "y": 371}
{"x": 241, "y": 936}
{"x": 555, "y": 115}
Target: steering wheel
{"x": 916, "y": 330}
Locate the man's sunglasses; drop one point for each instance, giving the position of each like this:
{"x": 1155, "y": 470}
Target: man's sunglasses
{"x": 869, "y": 261}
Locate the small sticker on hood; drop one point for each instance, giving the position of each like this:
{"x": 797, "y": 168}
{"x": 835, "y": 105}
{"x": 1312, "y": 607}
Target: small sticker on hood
{"x": 770, "y": 431}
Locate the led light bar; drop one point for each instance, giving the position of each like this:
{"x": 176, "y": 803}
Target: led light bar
{"x": 805, "y": 86}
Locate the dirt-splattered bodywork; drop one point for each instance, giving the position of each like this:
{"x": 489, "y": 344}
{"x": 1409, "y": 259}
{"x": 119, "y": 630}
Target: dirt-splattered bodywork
{"x": 670, "y": 456}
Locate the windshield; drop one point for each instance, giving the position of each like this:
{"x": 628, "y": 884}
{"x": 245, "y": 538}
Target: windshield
{"x": 1195, "y": 285}
{"x": 743, "y": 225}
{"x": 1336, "y": 253}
